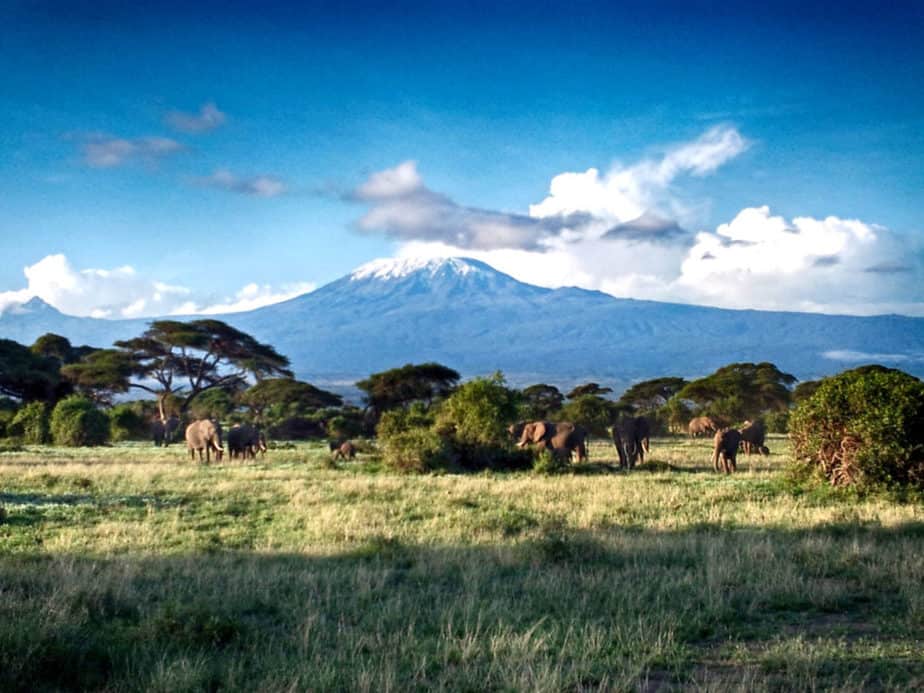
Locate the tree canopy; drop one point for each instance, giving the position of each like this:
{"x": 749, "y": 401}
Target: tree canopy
{"x": 589, "y": 389}
{"x": 181, "y": 359}
{"x": 541, "y": 401}
{"x": 652, "y": 394}
{"x": 295, "y": 395}
{"x": 741, "y": 390}
{"x": 410, "y": 383}
{"x": 26, "y": 375}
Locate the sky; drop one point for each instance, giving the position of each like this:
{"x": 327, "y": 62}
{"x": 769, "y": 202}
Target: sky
{"x": 211, "y": 157}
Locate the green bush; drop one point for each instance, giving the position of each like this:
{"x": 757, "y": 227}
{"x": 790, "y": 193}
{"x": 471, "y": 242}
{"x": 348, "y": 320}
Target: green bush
{"x": 479, "y": 412}
{"x": 125, "y": 423}
{"x": 416, "y": 450}
{"x": 30, "y": 424}
{"x": 398, "y": 420}
{"x": 547, "y": 462}
{"x": 777, "y": 421}
{"x": 864, "y": 427}
{"x": 76, "y": 422}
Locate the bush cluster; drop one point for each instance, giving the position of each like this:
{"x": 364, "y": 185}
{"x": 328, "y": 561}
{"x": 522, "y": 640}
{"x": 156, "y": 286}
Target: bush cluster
{"x": 468, "y": 430}
{"x": 864, "y": 427}
{"x": 126, "y": 422}
{"x": 76, "y": 422}
{"x": 31, "y": 424}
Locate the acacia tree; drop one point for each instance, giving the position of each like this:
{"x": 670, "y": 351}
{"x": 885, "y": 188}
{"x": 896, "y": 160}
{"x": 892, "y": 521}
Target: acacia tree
{"x": 174, "y": 359}
{"x": 541, "y": 401}
{"x": 294, "y": 394}
{"x": 589, "y": 389}
{"x": 651, "y": 394}
{"x": 741, "y": 390}
{"x": 400, "y": 387}
{"x": 25, "y": 375}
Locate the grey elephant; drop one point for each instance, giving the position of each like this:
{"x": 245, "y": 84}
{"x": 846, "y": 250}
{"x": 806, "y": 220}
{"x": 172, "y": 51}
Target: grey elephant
{"x": 164, "y": 432}
{"x": 245, "y": 441}
{"x": 555, "y": 436}
{"x": 752, "y": 437}
{"x": 632, "y": 438}
{"x": 204, "y": 435}
{"x": 725, "y": 450}
{"x": 702, "y": 425}
{"x": 343, "y": 451}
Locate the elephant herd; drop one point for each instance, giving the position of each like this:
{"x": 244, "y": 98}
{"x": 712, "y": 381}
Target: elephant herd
{"x": 204, "y": 437}
{"x": 631, "y": 437}
{"x": 565, "y": 439}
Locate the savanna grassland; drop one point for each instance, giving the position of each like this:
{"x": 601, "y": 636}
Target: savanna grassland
{"x": 130, "y": 568}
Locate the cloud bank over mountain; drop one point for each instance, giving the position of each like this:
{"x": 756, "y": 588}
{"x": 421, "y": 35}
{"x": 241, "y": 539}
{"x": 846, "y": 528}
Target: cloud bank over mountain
{"x": 625, "y": 232}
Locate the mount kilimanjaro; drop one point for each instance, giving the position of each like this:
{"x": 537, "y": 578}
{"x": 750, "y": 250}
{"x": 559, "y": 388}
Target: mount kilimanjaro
{"x": 467, "y": 315}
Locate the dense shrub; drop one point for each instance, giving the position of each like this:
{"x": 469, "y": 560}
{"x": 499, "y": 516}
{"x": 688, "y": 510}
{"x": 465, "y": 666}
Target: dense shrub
{"x": 344, "y": 426}
{"x": 777, "y": 421}
{"x": 479, "y": 412}
{"x": 416, "y": 450}
{"x": 30, "y": 424}
{"x": 7, "y": 412}
{"x": 863, "y": 427}
{"x": 76, "y": 422}
{"x": 127, "y": 423}
{"x": 396, "y": 421}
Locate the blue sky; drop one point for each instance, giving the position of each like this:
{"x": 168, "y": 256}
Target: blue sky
{"x": 221, "y": 151}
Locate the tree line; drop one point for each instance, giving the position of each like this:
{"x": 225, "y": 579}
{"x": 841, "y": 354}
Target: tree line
{"x": 867, "y": 423}
{"x": 206, "y": 368}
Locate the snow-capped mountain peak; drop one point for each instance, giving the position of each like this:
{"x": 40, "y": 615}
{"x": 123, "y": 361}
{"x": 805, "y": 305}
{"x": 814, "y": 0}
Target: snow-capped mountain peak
{"x": 398, "y": 268}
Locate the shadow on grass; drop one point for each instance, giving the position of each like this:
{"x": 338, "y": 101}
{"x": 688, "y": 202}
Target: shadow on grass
{"x": 610, "y": 607}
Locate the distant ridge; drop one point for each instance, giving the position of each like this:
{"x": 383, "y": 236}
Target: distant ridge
{"x": 467, "y": 315}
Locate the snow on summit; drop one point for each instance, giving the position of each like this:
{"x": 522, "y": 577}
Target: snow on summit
{"x": 396, "y": 268}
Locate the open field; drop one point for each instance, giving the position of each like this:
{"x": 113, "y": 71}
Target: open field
{"x": 130, "y": 568}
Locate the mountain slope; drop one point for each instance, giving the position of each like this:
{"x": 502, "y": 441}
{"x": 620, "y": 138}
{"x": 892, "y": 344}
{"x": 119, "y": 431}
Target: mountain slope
{"x": 467, "y": 315}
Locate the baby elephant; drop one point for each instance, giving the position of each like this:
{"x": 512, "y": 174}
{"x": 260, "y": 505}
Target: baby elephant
{"x": 725, "y": 453}
{"x": 344, "y": 451}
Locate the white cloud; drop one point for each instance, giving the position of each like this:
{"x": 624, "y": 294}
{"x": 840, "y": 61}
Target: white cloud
{"x": 123, "y": 293}
{"x": 756, "y": 260}
{"x": 255, "y": 296}
{"x": 402, "y": 207}
{"x": 579, "y": 207}
{"x": 628, "y": 192}
{"x": 259, "y": 186}
{"x": 104, "y": 151}
{"x": 208, "y": 118}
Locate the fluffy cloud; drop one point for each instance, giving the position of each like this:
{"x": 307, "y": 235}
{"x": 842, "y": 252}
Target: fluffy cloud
{"x": 758, "y": 260}
{"x": 628, "y": 192}
{"x": 619, "y": 232}
{"x": 123, "y": 293}
{"x": 258, "y": 186}
{"x": 402, "y": 207}
{"x": 104, "y": 151}
{"x": 255, "y": 296}
{"x": 632, "y": 203}
{"x": 208, "y": 118}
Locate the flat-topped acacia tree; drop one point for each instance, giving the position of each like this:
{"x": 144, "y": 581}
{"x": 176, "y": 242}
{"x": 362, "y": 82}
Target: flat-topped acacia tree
{"x": 174, "y": 359}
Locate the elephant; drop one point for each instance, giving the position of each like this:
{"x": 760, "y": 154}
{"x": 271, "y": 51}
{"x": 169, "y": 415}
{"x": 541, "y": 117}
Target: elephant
{"x": 204, "y": 434}
{"x": 631, "y": 436}
{"x": 701, "y": 425}
{"x": 245, "y": 441}
{"x": 562, "y": 435}
{"x": 164, "y": 432}
{"x": 725, "y": 452}
{"x": 344, "y": 451}
{"x": 752, "y": 438}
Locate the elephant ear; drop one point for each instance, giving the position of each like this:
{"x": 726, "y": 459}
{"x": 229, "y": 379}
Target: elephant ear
{"x": 538, "y": 432}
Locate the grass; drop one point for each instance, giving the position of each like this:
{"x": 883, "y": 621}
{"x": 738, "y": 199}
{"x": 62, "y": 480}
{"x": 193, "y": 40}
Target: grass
{"x": 130, "y": 568}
